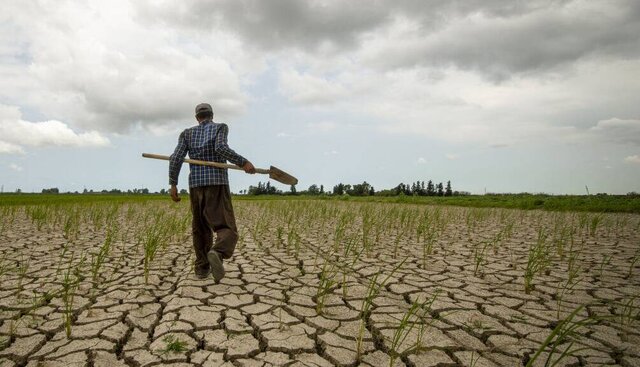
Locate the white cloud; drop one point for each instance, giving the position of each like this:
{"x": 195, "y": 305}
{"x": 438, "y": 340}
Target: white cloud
{"x": 282, "y": 135}
{"x": 15, "y": 167}
{"x": 8, "y": 148}
{"x": 451, "y": 157}
{"x": 421, "y": 160}
{"x": 331, "y": 152}
{"x": 17, "y": 133}
{"x": 96, "y": 66}
{"x": 634, "y": 159}
{"x": 618, "y": 130}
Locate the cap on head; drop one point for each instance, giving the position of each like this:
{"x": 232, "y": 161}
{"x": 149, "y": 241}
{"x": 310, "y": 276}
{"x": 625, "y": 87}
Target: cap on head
{"x": 203, "y": 108}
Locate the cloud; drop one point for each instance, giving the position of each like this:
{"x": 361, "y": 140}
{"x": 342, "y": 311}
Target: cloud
{"x": 618, "y": 131}
{"x": 274, "y": 25}
{"x": 8, "y": 148}
{"x": 496, "y": 38}
{"x": 308, "y": 89}
{"x": 634, "y": 159}
{"x": 16, "y": 133}
{"x": 15, "y": 167}
{"x": 95, "y": 66}
{"x": 542, "y": 38}
{"x": 422, "y": 160}
{"x": 451, "y": 157}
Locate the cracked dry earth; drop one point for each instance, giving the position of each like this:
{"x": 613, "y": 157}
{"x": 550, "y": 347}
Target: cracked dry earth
{"x": 294, "y": 291}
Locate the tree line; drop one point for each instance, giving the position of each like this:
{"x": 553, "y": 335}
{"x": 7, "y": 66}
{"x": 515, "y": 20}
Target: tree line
{"x": 418, "y": 188}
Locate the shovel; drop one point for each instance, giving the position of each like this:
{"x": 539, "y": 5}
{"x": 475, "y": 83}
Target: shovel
{"x": 273, "y": 172}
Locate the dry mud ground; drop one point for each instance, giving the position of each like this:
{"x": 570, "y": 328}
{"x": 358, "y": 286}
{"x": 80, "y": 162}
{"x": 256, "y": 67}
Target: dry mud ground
{"x": 463, "y": 268}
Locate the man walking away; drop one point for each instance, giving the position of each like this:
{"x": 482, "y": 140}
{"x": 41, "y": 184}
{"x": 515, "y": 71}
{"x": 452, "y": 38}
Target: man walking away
{"x": 208, "y": 190}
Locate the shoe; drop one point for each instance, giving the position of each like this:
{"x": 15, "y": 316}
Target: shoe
{"x": 203, "y": 274}
{"x": 215, "y": 263}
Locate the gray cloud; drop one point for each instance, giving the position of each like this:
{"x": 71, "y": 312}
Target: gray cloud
{"x": 275, "y": 24}
{"x": 496, "y": 38}
{"x": 618, "y": 131}
{"x": 541, "y": 39}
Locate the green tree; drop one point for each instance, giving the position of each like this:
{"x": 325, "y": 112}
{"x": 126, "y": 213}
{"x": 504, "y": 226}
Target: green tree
{"x": 448, "y": 191}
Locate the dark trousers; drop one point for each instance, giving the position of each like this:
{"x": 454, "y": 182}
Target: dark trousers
{"x": 212, "y": 212}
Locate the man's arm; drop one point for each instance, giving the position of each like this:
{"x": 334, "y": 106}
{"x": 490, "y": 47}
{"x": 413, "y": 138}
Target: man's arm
{"x": 175, "y": 163}
{"x": 222, "y": 148}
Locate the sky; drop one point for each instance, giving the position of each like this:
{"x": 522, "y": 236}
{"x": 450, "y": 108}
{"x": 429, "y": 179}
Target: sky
{"x": 495, "y": 96}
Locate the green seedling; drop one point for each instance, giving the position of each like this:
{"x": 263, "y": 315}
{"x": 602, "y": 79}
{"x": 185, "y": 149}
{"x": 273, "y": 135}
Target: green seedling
{"x": 325, "y": 285}
{"x": 628, "y": 312}
{"x": 632, "y": 265}
{"x": 97, "y": 260}
{"x": 352, "y": 253}
{"x": 573, "y": 278}
{"x": 173, "y": 345}
{"x": 373, "y": 290}
{"x": 70, "y": 282}
{"x": 537, "y": 261}
{"x": 154, "y": 239}
{"x": 564, "y": 336}
{"x": 415, "y": 316}
{"x": 479, "y": 255}
{"x": 606, "y": 260}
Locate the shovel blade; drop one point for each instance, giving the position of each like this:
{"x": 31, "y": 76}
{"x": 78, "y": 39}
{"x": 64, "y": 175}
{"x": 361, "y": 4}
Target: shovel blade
{"x": 281, "y": 176}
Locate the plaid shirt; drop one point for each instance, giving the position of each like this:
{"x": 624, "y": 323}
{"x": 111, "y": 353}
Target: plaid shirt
{"x": 205, "y": 142}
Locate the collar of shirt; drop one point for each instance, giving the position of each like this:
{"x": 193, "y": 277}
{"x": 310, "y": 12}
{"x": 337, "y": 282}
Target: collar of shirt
{"x": 206, "y": 122}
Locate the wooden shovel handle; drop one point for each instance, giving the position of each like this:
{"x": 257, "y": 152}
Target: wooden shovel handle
{"x": 205, "y": 163}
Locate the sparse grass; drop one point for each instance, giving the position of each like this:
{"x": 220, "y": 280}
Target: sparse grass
{"x": 173, "y": 345}
{"x": 537, "y": 261}
{"x": 325, "y": 285}
{"x": 373, "y": 289}
{"x": 560, "y": 343}
{"x": 632, "y": 264}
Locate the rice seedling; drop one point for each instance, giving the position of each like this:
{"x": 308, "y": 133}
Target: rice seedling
{"x": 627, "y": 312}
{"x": 402, "y": 332}
{"x": 153, "y": 238}
{"x": 22, "y": 268}
{"x": 416, "y": 315}
{"x": 70, "y": 281}
{"x": 173, "y": 345}
{"x": 562, "y": 339}
{"x": 593, "y": 224}
{"x": 429, "y": 240}
{"x": 97, "y": 260}
{"x": 280, "y": 239}
{"x": 345, "y": 220}
{"x": 325, "y": 285}
{"x": 537, "y": 261}
{"x": 71, "y": 226}
{"x": 373, "y": 289}
{"x": 352, "y": 253}
{"x": 606, "y": 260}
{"x": 573, "y": 278}
{"x": 479, "y": 255}
{"x": 634, "y": 260}
{"x": 293, "y": 240}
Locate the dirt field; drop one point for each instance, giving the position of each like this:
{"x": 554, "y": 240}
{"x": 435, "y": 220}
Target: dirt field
{"x": 319, "y": 284}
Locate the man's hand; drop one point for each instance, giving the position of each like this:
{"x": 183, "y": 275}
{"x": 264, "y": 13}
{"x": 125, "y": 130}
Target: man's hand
{"x": 174, "y": 193}
{"x": 249, "y": 168}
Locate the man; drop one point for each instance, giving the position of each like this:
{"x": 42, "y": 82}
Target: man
{"x": 208, "y": 191}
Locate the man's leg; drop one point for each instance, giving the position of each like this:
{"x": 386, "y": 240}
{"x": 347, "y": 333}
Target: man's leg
{"x": 202, "y": 236}
{"x": 220, "y": 217}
